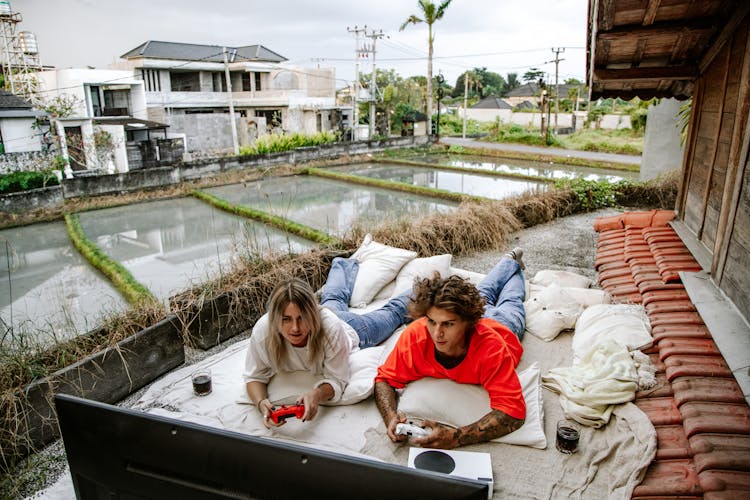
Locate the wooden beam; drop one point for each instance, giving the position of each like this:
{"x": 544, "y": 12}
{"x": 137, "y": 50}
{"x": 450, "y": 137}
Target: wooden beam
{"x": 700, "y": 27}
{"x": 643, "y": 75}
{"x": 605, "y": 17}
{"x": 688, "y": 157}
{"x": 726, "y": 34}
{"x": 650, "y": 15}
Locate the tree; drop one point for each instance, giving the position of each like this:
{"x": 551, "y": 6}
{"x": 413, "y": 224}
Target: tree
{"x": 430, "y": 14}
{"x": 512, "y": 82}
{"x": 532, "y": 75}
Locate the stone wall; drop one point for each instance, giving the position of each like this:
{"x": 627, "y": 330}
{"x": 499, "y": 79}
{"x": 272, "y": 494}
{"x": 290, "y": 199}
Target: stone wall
{"x": 96, "y": 184}
{"x": 26, "y": 161}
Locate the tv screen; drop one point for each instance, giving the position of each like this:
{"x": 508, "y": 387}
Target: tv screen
{"x": 116, "y": 452}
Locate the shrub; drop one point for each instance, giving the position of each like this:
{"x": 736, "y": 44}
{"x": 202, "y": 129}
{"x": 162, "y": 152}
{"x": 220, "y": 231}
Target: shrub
{"x": 276, "y": 143}
{"x": 22, "y": 181}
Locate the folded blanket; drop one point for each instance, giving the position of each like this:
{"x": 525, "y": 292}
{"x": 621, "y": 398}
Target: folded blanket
{"x": 607, "y": 375}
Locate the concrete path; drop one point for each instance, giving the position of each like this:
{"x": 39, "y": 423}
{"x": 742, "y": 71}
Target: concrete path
{"x": 589, "y": 155}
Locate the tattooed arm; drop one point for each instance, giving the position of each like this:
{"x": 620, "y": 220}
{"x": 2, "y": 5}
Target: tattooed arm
{"x": 385, "y": 399}
{"x": 491, "y": 426}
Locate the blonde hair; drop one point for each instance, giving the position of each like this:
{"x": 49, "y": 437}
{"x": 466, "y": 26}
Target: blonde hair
{"x": 294, "y": 291}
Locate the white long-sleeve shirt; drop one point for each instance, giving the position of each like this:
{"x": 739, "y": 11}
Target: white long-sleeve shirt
{"x": 334, "y": 365}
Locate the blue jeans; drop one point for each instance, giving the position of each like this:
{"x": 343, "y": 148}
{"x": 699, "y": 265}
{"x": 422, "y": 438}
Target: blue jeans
{"x": 372, "y": 327}
{"x": 504, "y": 290}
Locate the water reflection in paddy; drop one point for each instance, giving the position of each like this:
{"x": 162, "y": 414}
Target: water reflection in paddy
{"x": 47, "y": 288}
{"x": 328, "y": 205}
{"x": 485, "y": 186}
{"x": 525, "y": 167}
{"x": 170, "y": 245}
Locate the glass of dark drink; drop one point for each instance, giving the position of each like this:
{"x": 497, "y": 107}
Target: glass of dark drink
{"x": 202, "y": 382}
{"x": 568, "y": 434}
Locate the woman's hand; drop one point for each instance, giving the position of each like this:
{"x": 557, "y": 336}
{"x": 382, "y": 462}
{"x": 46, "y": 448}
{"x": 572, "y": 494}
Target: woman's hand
{"x": 265, "y": 408}
{"x": 312, "y": 399}
{"x": 442, "y": 436}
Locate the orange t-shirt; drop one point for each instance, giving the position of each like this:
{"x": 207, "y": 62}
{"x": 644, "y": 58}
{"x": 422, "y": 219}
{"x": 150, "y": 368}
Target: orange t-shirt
{"x": 491, "y": 361}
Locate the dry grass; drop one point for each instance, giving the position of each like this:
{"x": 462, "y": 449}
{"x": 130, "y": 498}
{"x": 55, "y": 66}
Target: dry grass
{"x": 472, "y": 227}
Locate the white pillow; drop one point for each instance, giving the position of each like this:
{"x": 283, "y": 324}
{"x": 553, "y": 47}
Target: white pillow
{"x": 284, "y": 387}
{"x": 625, "y": 323}
{"x": 423, "y": 267}
{"x": 550, "y": 311}
{"x": 378, "y": 265}
{"x": 561, "y": 278}
{"x": 427, "y": 397}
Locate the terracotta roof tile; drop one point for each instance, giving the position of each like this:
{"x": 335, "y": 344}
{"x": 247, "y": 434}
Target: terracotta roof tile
{"x": 700, "y": 414}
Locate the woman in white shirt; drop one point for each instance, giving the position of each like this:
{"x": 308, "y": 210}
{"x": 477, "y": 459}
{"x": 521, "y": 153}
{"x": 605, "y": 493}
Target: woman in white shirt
{"x": 297, "y": 334}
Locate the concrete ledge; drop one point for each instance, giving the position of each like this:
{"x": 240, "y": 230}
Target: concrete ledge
{"x": 728, "y": 327}
{"x": 28, "y": 419}
{"x": 33, "y": 198}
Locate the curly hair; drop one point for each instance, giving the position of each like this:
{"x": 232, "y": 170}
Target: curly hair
{"x": 454, "y": 294}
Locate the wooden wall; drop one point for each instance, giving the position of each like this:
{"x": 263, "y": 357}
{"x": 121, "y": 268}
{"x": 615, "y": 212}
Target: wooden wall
{"x": 714, "y": 199}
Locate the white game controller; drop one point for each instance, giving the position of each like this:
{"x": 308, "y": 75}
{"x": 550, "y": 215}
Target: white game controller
{"x": 412, "y": 430}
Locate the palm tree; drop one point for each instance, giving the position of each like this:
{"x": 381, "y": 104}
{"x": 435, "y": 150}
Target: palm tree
{"x": 430, "y": 14}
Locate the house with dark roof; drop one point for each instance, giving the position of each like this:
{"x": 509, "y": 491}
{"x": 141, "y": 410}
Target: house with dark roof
{"x": 488, "y": 109}
{"x": 17, "y": 119}
{"x": 187, "y": 87}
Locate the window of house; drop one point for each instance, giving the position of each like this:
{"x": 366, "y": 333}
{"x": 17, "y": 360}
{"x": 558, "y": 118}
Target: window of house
{"x": 246, "y": 84}
{"x": 117, "y": 102}
{"x": 258, "y": 80}
{"x": 185, "y": 81}
{"x": 151, "y": 79}
{"x": 219, "y": 81}
{"x": 96, "y": 103}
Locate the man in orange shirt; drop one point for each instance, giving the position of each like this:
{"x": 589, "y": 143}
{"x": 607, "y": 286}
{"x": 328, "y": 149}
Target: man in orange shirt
{"x": 467, "y": 334}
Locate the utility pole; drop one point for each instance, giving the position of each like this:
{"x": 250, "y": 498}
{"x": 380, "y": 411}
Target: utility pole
{"x": 466, "y": 93}
{"x": 557, "y": 87}
{"x": 235, "y": 143}
{"x": 355, "y": 112}
{"x": 374, "y": 35}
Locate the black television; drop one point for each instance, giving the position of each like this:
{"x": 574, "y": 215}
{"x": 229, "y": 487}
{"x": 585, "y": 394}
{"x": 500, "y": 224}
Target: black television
{"x": 121, "y": 453}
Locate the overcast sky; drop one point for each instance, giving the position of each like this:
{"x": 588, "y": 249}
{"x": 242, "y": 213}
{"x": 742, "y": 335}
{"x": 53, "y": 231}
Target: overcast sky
{"x": 502, "y": 35}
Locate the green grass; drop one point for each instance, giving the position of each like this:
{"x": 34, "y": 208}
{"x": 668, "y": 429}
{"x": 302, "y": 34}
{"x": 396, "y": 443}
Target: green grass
{"x": 621, "y": 141}
{"x": 273, "y": 220}
{"x": 133, "y": 291}
{"x": 392, "y": 185}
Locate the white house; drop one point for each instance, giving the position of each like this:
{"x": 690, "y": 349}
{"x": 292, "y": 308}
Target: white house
{"x": 186, "y": 87}
{"x": 107, "y": 108}
{"x": 18, "y": 133}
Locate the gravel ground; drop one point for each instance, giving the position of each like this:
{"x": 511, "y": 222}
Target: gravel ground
{"x": 567, "y": 244}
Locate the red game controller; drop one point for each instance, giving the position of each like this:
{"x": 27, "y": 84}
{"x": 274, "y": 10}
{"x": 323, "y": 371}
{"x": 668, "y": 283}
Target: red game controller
{"x": 283, "y": 412}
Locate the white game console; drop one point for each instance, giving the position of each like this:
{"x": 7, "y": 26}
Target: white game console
{"x": 468, "y": 464}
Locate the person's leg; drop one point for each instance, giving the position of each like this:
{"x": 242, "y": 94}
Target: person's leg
{"x": 504, "y": 290}
{"x": 376, "y": 326}
{"x": 373, "y": 327}
{"x": 337, "y": 291}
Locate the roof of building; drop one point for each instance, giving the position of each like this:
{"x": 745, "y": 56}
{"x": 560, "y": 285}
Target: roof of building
{"x": 699, "y": 412}
{"x": 492, "y": 102}
{"x": 656, "y": 49}
{"x": 130, "y": 123}
{"x": 154, "y": 49}
{"x": 12, "y": 101}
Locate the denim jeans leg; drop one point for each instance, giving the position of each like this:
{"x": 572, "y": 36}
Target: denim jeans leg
{"x": 376, "y": 326}
{"x": 504, "y": 290}
{"x": 339, "y": 285}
